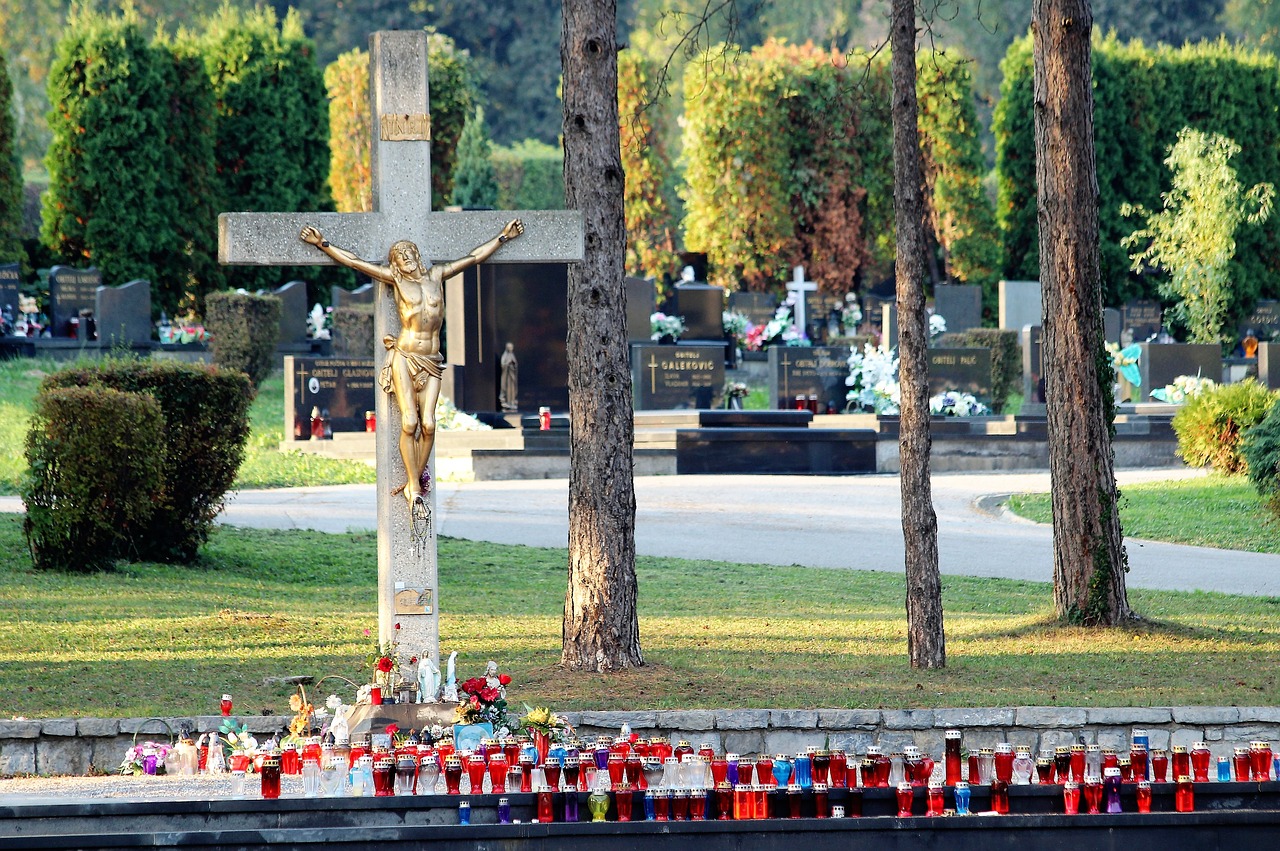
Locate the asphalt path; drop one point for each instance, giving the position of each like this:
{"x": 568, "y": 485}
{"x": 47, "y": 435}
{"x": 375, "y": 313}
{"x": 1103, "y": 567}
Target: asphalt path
{"x": 849, "y": 522}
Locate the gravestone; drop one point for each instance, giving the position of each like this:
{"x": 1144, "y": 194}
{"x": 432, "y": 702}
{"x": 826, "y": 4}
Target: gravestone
{"x": 799, "y": 289}
{"x": 960, "y": 305}
{"x": 809, "y": 371}
{"x": 70, "y": 292}
{"x": 362, "y": 294}
{"x": 1160, "y": 363}
{"x": 965, "y": 370}
{"x": 401, "y": 184}
{"x": 525, "y": 304}
{"x": 123, "y": 314}
{"x": 1263, "y": 320}
{"x": 1032, "y": 365}
{"x": 293, "y": 313}
{"x": 1020, "y": 304}
{"x": 1111, "y": 325}
{"x": 701, "y": 306}
{"x": 886, "y": 321}
{"x": 759, "y": 308}
{"x": 345, "y": 387}
{"x": 642, "y": 302}
{"x": 677, "y": 377}
{"x": 10, "y": 289}
{"x": 1269, "y": 364}
{"x": 1144, "y": 318}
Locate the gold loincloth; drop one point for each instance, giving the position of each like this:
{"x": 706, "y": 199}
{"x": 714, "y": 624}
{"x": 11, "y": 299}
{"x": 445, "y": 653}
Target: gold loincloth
{"x": 421, "y": 367}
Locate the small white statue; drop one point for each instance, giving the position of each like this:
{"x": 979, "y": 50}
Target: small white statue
{"x": 428, "y": 680}
{"x": 340, "y": 729}
{"x": 451, "y": 679}
{"x": 491, "y": 678}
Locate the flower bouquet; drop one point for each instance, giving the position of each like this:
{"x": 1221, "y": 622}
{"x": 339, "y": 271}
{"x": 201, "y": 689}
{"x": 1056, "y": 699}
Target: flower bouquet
{"x": 482, "y": 703}
{"x": 953, "y": 403}
{"x": 545, "y": 727}
{"x": 146, "y": 758}
{"x": 1183, "y": 388}
{"x": 661, "y": 325}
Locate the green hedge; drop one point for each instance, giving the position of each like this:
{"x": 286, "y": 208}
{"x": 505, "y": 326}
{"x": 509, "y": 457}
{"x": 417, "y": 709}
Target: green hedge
{"x": 530, "y": 176}
{"x": 1262, "y": 453}
{"x": 1211, "y": 427}
{"x": 1006, "y": 358}
{"x": 1142, "y": 98}
{"x": 206, "y": 413}
{"x": 245, "y": 330}
{"x": 95, "y": 459}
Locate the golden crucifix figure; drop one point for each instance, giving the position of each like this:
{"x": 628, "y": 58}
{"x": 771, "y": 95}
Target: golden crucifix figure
{"x": 414, "y": 363}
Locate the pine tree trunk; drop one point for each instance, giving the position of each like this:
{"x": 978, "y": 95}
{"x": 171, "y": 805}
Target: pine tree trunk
{"x": 601, "y": 629}
{"x": 1089, "y": 561}
{"x": 926, "y": 642}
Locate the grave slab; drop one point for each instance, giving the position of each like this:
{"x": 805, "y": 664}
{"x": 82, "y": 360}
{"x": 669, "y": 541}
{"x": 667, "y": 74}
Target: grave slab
{"x": 671, "y": 377}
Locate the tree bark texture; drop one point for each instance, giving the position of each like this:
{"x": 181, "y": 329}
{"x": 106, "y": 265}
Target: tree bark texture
{"x": 1089, "y": 561}
{"x": 601, "y": 628}
{"x": 926, "y": 643}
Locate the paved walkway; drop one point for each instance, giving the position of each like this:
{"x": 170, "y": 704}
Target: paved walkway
{"x": 832, "y": 522}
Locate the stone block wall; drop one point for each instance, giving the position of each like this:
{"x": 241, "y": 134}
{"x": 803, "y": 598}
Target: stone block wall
{"x": 79, "y": 745}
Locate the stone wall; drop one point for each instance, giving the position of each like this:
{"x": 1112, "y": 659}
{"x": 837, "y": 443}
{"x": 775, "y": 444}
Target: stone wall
{"x": 73, "y": 745}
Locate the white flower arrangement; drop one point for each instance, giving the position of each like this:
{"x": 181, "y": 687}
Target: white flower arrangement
{"x": 735, "y": 324}
{"x": 1183, "y": 388}
{"x": 953, "y": 403}
{"x": 937, "y": 326}
{"x": 319, "y": 322}
{"x": 873, "y": 381}
{"x": 850, "y": 314}
{"x": 449, "y": 418}
{"x": 660, "y": 325}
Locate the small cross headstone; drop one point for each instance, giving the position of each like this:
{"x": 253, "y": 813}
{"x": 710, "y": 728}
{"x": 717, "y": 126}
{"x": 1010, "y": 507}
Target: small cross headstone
{"x": 401, "y": 176}
{"x": 798, "y": 287}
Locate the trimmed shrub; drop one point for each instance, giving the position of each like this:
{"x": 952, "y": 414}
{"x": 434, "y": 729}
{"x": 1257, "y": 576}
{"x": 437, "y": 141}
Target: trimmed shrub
{"x": 96, "y": 462}
{"x": 1261, "y": 450}
{"x": 10, "y": 175}
{"x": 1211, "y": 426}
{"x": 530, "y": 176}
{"x": 353, "y": 331}
{"x": 1006, "y": 358}
{"x": 206, "y": 412}
{"x": 244, "y": 331}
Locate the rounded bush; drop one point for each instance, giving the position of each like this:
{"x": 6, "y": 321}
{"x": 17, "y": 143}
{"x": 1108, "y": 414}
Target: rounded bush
{"x": 95, "y": 459}
{"x": 206, "y": 412}
{"x": 245, "y": 329}
{"x": 1211, "y": 426}
{"x": 1261, "y": 451}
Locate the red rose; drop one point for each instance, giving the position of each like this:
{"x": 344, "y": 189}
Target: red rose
{"x": 397, "y": 625}
{"x": 505, "y": 679}
{"x": 489, "y": 695}
{"x": 392, "y": 729}
{"x": 475, "y": 702}
{"x": 413, "y": 660}
{"x": 385, "y": 664}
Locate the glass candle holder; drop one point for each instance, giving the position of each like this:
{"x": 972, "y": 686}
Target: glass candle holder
{"x": 905, "y": 795}
{"x": 839, "y": 770}
{"x": 821, "y": 801}
{"x": 498, "y": 773}
{"x": 698, "y": 804}
{"x": 1111, "y": 781}
{"x": 795, "y": 797}
{"x": 1092, "y": 794}
{"x": 1160, "y": 766}
{"x": 822, "y": 767}
{"x": 406, "y": 775}
{"x": 545, "y": 800}
{"x": 290, "y": 763}
{"x": 571, "y": 806}
{"x": 662, "y": 804}
{"x": 986, "y": 766}
{"x": 270, "y": 775}
{"x": 951, "y": 755}
{"x": 803, "y": 769}
{"x": 1239, "y": 762}
{"x": 1179, "y": 762}
{"x": 1110, "y": 759}
{"x": 1144, "y": 796}
{"x": 598, "y": 804}
{"x": 746, "y": 772}
{"x": 1184, "y": 795}
{"x": 475, "y": 773}
{"x": 623, "y": 800}
{"x": 679, "y": 805}
{"x": 1077, "y": 763}
{"x": 781, "y": 770}
{"x": 617, "y": 767}
{"x": 1023, "y": 766}
{"x": 453, "y": 775}
{"x": 1200, "y": 758}
{"x": 384, "y": 777}
{"x": 1260, "y": 760}
{"x": 464, "y": 812}
{"x": 633, "y": 772}
{"x": 999, "y": 797}
{"x": 962, "y": 798}
{"x": 226, "y": 705}
{"x": 1062, "y": 764}
{"x": 572, "y": 770}
{"x": 1070, "y": 798}
{"x": 1003, "y": 759}
{"x": 1126, "y": 769}
{"x": 724, "y": 801}
{"x": 935, "y": 800}
{"x": 653, "y": 772}
{"x": 333, "y": 772}
{"x": 551, "y": 774}
{"x": 1044, "y": 771}
{"x": 504, "y": 811}
{"x": 764, "y": 770}
{"x": 897, "y": 769}
{"x": 853, "y": 802}
{"x": 1093, "y": 761}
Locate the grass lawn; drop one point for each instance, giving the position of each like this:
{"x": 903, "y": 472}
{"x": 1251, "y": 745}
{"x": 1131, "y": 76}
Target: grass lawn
{"x": 154, "y": 639}
{"x": 1225, "y": 512}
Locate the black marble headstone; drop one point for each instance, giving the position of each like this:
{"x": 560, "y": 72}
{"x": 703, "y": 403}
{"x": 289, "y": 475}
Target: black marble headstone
{"x": 293, "y": 312}
{"x": 678, "y": 376}
{"x": 1263, "y": 320}
{"x": 965, "y": 370}
{"x": 809, "y": 371}
{"x": 642, "y": 300}
{"x": 1159, "y": 363}
{"x": 960, "y": 305}
{"x": 10, "y": 289}
{"x": 70, "y": 292}
{"x": 1144, "y": 318}
{"x": 346, "y": 388}
{"x": 1269, "y": 364}
{"x": 702, "y": 308}
{"x": 759, "y": 308}
{"x": 525, "y": 304}
{"x": 123, "y": 314}
{"x": 1111, "y": 327}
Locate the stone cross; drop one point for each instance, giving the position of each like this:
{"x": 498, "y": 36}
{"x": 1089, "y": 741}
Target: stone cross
{"x": 799, "y": 286}
{"x": 401, "y": 165}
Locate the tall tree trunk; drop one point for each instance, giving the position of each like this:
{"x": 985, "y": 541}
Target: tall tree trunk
{"x": 601, "y": 629}
{"x": 926, "y": 643}
{"x": 1089, "y": 560}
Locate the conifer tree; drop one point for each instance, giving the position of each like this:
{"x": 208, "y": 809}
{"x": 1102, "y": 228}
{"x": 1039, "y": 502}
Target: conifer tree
{"x": 10, "y": 175}
{"x": 473, "y": 180}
